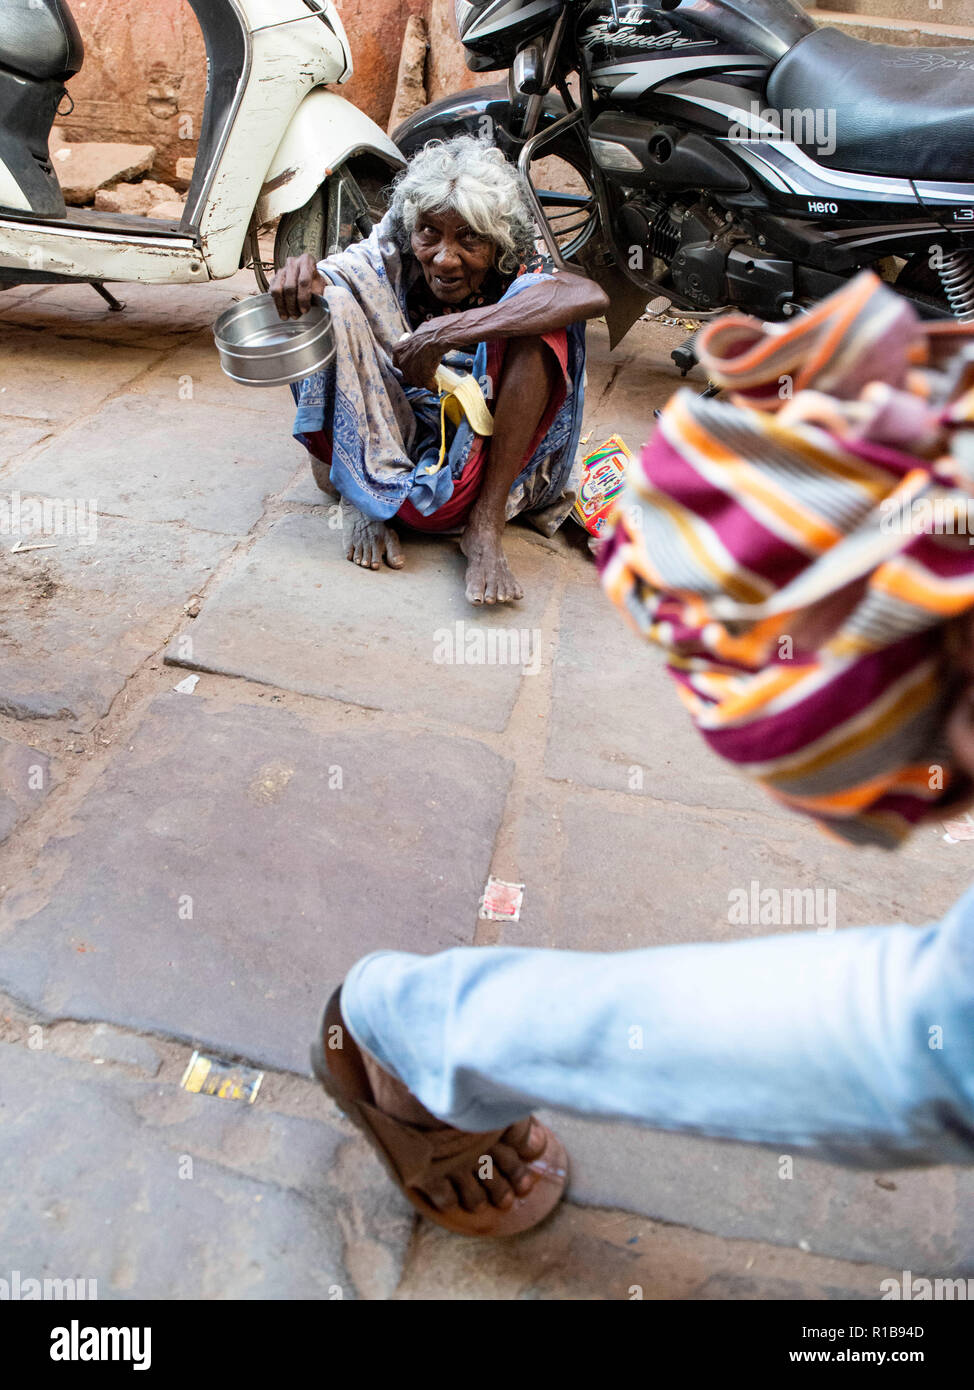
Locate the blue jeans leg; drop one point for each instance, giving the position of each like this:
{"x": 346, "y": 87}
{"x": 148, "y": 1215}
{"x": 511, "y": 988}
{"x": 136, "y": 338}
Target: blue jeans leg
{"x": 858, "y": 1045}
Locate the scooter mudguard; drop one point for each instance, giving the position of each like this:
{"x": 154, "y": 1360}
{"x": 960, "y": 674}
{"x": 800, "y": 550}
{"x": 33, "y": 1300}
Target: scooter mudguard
{"x": 483, "y": 112}
{"x": 325, "y": 132}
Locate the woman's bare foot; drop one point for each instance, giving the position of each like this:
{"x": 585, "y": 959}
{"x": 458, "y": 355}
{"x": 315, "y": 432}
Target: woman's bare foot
{"x": 370, "y": 540}
{"x": 501, "y": 1172}
{"x": 489, "y": 577}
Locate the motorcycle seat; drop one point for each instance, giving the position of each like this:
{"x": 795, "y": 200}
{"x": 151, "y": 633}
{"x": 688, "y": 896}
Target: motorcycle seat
{"x": 39, "y": 38}
{"x": 902, "y": 112}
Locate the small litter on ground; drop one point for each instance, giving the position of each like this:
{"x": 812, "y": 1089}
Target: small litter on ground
{"x": 187, "y": 686}
{"x": 501, "y": 901}
{"x": 959, "y": 829}
{"x": 228, "y": 1080}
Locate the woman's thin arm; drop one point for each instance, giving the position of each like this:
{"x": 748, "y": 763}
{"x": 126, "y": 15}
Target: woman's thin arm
{"x": 537, "y": 309}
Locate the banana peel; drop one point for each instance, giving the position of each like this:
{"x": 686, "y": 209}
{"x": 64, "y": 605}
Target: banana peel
{"x": 461, "y": 396}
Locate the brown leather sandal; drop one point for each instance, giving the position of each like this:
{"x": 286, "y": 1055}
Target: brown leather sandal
{"x": 412, "y": 1156}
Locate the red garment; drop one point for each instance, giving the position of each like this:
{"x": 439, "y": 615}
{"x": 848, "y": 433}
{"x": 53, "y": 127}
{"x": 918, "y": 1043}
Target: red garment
{"x": 466, "y": 488}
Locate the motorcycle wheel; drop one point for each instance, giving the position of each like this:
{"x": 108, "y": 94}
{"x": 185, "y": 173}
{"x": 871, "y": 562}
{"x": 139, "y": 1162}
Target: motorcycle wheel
{"x": 339, "y": 213}
{"x": 573, "y": 213}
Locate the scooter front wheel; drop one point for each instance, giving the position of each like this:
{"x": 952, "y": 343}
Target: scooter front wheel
{"x": 340, "y": 212}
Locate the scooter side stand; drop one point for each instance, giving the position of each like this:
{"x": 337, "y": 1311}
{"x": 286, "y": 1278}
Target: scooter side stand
{"x": 115, "y": 305}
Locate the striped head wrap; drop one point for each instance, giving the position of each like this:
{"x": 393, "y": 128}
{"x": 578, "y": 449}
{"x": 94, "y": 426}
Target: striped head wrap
{"x": 832, "y": 489}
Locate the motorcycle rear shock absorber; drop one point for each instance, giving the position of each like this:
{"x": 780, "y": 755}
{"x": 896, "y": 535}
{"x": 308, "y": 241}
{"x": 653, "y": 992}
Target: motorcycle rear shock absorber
{"x": 957, "y": 277}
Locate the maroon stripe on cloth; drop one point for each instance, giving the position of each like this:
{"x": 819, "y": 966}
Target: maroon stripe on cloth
{"x": 743, "y": 535}
{"x": 890, "y": 460}
{"x": 912, "y": 807}
{"x": 608, "y": 546}
{"x": 943, "y": 560}
{"x": 851, "y": 692}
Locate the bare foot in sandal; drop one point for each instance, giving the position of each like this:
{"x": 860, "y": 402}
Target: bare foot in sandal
{"x": 500, "y": 1173}
{"x": 498, "y": 1183}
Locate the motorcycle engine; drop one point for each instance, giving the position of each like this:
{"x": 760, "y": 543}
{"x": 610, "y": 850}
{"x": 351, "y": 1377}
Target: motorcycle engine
{"x": 699, "y": 264}
{"x": 653, "y": 226}
{"x": 692, "y": 239}
{"x": 707, "y": 253}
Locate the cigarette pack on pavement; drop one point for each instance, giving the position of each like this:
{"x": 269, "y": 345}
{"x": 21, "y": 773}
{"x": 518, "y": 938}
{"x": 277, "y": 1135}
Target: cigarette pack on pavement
{"x": 603, "y": 475}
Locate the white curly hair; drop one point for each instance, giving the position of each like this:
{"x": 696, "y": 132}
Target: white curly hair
{"x": 474, "y": 180}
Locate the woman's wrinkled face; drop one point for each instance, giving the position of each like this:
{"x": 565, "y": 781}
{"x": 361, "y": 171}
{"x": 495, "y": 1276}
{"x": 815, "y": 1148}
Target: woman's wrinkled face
{"x": 455, "y": 258}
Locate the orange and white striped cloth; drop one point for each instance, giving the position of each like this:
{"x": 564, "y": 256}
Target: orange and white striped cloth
{"x": 798, "y": 547}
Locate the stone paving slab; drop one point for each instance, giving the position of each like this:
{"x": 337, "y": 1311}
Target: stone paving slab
{"x": 616, "y": 720}
{"x": 659, "y": 875}
{"x": 78, "y": 620}
{"x": 925, "y": 1224}
{"x": 25, "y": 779}
{"x": 305, "y": 490}
{"x": 194, "y": 367}
{"x": 17, "y": 436}
{"x": 155, "y": 316}
{"x": 57, "y": 379}
{"x": 584, "y": 1253}
{"x": 276, "y": 1206}
{"x": 293, "y": 612}
{"x": 640, "y": 378}
{"x": 294, "y": 850}
{"x": 155, "y": 460}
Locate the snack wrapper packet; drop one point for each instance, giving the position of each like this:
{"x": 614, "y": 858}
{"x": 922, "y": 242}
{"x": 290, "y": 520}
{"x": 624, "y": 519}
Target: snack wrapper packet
{"x": 602, "y": 479}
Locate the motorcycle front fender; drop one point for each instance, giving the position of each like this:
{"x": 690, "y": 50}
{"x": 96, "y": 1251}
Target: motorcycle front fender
{"x": 326, "y": 131}
{"x": 483, "y": 112}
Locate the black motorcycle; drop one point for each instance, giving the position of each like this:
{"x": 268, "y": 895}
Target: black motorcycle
{"x": 725, "y": 153}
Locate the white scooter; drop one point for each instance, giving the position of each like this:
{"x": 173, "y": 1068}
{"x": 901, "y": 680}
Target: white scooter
{"x": 273, "y": 144}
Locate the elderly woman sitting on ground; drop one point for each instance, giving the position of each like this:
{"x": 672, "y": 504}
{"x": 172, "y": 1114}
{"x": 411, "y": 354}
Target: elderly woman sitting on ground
{"x": 450, "y": 272}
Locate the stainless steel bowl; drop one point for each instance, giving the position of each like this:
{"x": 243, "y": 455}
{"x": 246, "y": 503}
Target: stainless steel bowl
{"x": 259, "y": 348}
